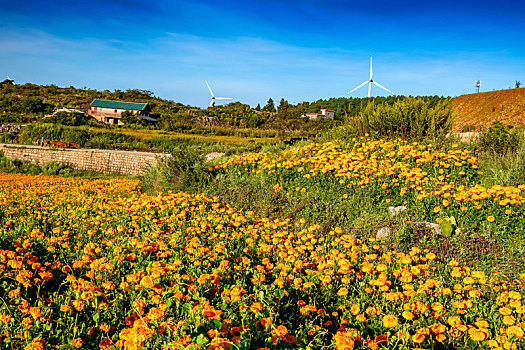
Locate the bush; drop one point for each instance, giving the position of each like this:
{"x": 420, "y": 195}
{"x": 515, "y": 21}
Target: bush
{"x": 67, "y": 118}
{"x": 498, "y": 139}
{"x": 408, "y": 118}
{"x": 184, "y": 170}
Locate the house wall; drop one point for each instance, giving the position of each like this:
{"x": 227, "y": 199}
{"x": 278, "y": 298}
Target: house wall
{"x": 102, "y": 114}
{"x": 104, "y": 161}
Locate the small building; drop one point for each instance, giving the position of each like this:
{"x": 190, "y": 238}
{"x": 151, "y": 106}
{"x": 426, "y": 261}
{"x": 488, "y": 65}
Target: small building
{"x": 110, "y": 112}
{"x": 325, "y": 113}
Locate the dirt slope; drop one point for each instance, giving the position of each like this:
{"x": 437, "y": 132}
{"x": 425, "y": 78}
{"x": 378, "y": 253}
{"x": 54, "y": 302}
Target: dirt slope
{"x": 507, "y": 106}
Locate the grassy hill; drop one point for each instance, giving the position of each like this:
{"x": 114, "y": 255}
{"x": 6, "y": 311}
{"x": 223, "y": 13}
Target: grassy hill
{"x": 475, "y": 110}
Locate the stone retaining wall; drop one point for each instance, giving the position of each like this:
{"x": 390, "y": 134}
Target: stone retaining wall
{"x": 104, "y": 161}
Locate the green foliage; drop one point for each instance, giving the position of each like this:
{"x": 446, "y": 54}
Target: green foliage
{"x": 408, "y": 118}
{"x": 129, "y": 119}
{"x": 498, "y": 139}
{"x": 50, "y": 168}
{"x": 270, "y": 106}
{"x": 184, "y": 170}
{"x": 468, "y": 128}
{"x": 68, "y": 118}
{"x": 448, "y": 226}
{"x": 35, "y": 132}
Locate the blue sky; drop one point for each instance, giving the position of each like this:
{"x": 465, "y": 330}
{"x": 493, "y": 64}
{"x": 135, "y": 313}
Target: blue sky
{"x": 253, "y": 50}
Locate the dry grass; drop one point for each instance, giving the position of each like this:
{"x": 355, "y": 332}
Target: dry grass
{"x": 507, "y": 106}
{"x": 145, "y": 134}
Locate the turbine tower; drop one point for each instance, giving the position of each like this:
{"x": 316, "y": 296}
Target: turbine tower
{"x": 370, "y": 82}
{"x": 213, "y": 98}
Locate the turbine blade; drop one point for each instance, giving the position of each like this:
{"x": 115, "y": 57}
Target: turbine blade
{"x": 357, "y": 87}
{"x": 209, "y": 88}
{"x": 224, "y": 98}
{"x": 382, "y": 87}
{"x": 370, "y": 66}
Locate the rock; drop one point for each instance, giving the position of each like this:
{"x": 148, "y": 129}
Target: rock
{"x": 383, "y": 233}
{"x": 396, "y": 210}
{"x": 436, "y": 228}
{"x": 213, "y": 155}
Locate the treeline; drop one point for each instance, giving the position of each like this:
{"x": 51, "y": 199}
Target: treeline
{"x": 24, "y": 103}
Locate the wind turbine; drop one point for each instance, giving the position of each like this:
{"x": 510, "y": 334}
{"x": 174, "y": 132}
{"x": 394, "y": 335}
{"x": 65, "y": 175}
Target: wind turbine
{"x": 213, "y": 98}
{"x": 370, "y": 82}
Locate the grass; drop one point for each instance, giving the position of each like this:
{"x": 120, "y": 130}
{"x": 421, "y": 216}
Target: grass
{"x": 144, "y": 134}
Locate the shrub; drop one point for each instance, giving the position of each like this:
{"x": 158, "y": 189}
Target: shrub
{"x": 408, "y": 118}
{"x": 67, "y": 118}
{"x": 184, "y": 170}
{"x": 498, "y": 139}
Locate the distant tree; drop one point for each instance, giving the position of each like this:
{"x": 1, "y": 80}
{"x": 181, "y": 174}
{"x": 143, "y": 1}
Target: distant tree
{"x": 518, "y": 83}
{"x": 283, "y": 107}
{"x": 258, "y": 108}
{"x": 128, "y": 118}
{"x": 270, "y": 106}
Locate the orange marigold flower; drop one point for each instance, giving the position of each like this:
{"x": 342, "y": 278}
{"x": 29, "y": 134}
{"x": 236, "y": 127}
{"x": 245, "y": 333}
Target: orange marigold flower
{"x": 516, "y": 331}
{"x": 355, "y": 309}
{"x": 344, "y": 341}
{"x": 477, "y": 334}
{"x": 78, "y": 305}
{"x": 147, "y": 282}
{"x": 342, "y": 292}
{"x": 361, "y": 318}
{"x": 390, "y": 321}
{"x": 441, "y": 337}
{"x": 36, "y": 344}
{"x": 76, "y": 343}
{"x": 505, "y": 311}
{"x": 509, "y": 320}
{"x": 256, "y": 307}
{"x": 407, "y": 315}
{"x": 280, "y": 331}
{"x": 418, "y": 338}
{"x": 105, "y": 343}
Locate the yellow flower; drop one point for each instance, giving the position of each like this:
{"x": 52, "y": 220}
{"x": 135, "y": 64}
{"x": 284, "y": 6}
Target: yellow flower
{"x": 361, "y": 318}
{"x": 342, "y": 292}
{"x": 390, "y": 321}
{"x": 491, "y": 218}
{"x": 477, "y": 334}
{"x": 418, "y": 338}
{"x": 516, "y": 331}
{"x": 509, "y": 320}
{"x": 355, "y": 309}
{"x": 407, "y": 315}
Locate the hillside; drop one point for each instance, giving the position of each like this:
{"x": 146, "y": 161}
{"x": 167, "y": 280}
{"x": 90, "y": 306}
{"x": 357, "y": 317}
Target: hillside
{"x": 475, "y": 110}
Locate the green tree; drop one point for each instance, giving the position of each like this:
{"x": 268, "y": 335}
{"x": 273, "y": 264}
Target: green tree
{"x": 270, "y": 106}
{"x": 128, "y": 118}
{"x": 283, "y": 107}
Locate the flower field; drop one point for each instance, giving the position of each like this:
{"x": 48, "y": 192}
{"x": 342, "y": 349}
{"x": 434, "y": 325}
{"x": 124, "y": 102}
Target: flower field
{"x": 433, "y": 184}
{"x": 97, "y": 264}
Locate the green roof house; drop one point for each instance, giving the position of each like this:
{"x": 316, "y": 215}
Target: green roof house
{"x": 110, "y": 112}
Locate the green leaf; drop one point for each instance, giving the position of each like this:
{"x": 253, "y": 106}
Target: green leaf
{"x": 201, "y": 340}
{"x": 186, "y": 307}
{"x": 216, "y": 323}
{"x": 279, "y": 293}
